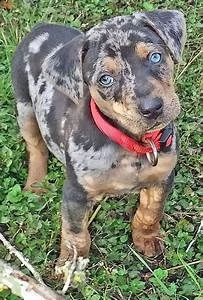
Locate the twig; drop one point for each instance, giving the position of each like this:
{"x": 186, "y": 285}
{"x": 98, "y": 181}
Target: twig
{"x": 195, "y": 237}
{"x": 23, "y": 260}
{"x": 188, "y": 64}
{"x": 189, "y": 264}
{"x": 70, "y": 270}
{"x": 93, "y": 216}
{"x": 24, "y": 286}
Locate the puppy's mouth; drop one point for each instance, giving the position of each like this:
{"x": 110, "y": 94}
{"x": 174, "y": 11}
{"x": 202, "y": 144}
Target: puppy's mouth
{"x": 129, "y": 130}
{"x": 132, "y": 127}
{"x": 157, "y": 126}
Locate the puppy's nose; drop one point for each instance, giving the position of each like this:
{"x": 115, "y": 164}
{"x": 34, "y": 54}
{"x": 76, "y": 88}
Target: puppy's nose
{"x": 151, "y": 108}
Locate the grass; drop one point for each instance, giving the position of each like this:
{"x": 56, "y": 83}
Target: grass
{"x": 31, "y": 222}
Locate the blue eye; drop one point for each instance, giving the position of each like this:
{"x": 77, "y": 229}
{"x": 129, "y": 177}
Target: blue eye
{"x": 155, "y": 57}
{"x": 106, "y": 80}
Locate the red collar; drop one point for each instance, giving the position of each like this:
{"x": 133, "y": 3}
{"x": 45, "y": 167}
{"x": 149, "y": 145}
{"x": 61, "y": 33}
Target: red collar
{"x": 126, "y": 142}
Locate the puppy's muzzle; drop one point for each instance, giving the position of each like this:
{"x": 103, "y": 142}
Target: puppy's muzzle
{"x": 151, "y": 108}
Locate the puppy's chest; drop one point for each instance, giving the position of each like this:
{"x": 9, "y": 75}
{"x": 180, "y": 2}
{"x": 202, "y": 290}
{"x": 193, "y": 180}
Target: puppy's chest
{"x": 112, "y": 173}
{"x": 120, "y": 177}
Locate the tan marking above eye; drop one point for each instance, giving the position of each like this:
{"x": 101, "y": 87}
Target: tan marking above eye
{"x": 111, "y": 64}
{"x": 143, "y": 49}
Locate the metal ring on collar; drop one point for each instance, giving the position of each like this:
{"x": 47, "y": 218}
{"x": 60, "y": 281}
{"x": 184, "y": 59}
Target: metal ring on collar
{"x": 152, "y": 157}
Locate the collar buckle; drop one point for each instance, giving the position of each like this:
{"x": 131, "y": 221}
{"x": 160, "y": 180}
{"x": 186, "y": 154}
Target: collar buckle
{"x": 166, "y": 134}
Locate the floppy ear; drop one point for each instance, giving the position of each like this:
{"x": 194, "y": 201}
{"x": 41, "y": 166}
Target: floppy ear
{"x": 63, "y": 67}
{"x": 170, "y": 26}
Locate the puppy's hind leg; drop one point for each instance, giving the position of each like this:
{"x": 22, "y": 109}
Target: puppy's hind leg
{"x": 37, "y": 150}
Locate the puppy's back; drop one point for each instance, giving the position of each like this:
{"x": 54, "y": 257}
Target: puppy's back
{"x": 32, "y": 51}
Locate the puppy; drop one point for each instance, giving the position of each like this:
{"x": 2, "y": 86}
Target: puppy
{"x": 103, "y": 102}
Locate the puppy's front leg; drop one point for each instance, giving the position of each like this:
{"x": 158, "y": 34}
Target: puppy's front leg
{"x": 145, "y": 226}
{"x": 74, "y": 232}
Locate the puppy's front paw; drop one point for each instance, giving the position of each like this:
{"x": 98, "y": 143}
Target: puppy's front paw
{"x": 72, "y": 271}
{"x": 147, "y": 239}
{"x": 149, "y": 246}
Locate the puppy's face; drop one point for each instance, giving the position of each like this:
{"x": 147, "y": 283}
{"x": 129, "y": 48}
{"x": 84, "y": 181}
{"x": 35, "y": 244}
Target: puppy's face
{"x": 130, "y": 76}
{"x": 127, "y": 65}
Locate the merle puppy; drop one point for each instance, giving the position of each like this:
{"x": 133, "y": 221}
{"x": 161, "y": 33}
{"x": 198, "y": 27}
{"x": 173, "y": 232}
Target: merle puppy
{"x": 103, "y": 102}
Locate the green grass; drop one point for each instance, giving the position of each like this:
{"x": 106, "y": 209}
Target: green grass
{"x": 32, "y": 223}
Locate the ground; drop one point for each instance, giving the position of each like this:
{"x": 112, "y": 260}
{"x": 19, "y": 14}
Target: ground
{"x": 31, "y": 222}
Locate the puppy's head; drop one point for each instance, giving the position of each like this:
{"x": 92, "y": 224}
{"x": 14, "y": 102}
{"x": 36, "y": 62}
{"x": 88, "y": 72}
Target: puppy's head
{"x": 127, "y": 64}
